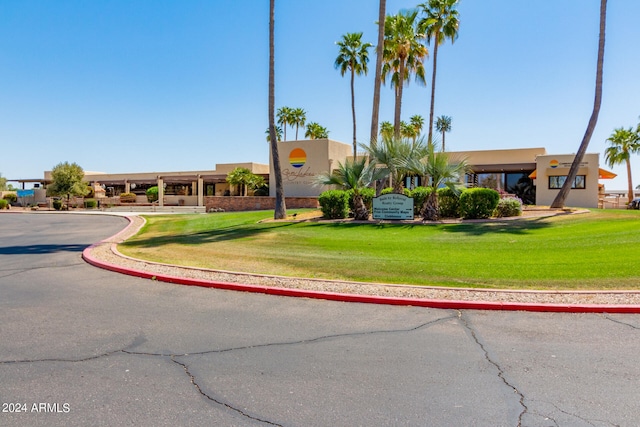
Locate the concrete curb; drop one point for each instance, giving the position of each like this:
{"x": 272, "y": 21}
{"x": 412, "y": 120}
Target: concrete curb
{"x": 367, "y": 299}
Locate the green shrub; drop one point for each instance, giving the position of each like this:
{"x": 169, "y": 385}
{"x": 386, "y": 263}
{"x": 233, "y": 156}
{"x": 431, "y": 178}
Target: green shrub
{"x": 152, "y": 194}
{"x": 90, "y": 203}
{"x": 11, "y": 198}
{"x": 4, "y": 204}
{"x": 389, "y": 190}
{"x": 419, "y": 195}
{"x": 448, "y": 203}
{"x": 261, "y": 191}
{"x": 478, "y": 202}
{"x": 334, "y": 204}
{"x": 127, "y": 198}
{"x": 508, "y": 206}
{"x": 57, "y": 204}
{"x": 367, "y": 197}
{"x": 91, "y": 192}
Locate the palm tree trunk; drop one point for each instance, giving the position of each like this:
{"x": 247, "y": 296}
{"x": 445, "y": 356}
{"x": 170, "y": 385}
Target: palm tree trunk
{"x": 280, "y": 211}
{"x": 399, "y": 86}
{"x": 561, "y": 197}
{"x": 353, "y": 110}
{"x": 430, "y": 207}
{"x": 433, "y": 90}
{"x": 629, "y": 180}
{"x": 443, "y": 149}
{"x": 375, "y": 111}
{"x": 360, "y": 210}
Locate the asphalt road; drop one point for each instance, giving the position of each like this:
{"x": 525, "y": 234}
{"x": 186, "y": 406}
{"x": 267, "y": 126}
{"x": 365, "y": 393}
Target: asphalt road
{"x": 82, "y": 346}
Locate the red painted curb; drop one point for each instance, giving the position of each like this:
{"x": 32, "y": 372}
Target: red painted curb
{"x": 367, "y": 299}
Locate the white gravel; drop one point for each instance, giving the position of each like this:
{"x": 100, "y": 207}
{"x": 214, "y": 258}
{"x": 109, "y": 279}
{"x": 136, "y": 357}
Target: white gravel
{"x": 106, "y": 251}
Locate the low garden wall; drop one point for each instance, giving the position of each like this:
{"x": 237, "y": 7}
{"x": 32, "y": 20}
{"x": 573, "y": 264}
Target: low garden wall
{"x": 254, "y": 203}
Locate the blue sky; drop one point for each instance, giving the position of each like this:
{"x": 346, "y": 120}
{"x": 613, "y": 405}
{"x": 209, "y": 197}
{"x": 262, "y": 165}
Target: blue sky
{"x": 162, "y": 85}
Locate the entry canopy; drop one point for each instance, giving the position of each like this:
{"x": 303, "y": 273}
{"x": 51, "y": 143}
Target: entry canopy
{"x": 602, "y": 174}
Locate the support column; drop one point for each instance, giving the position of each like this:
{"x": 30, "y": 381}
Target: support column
{"x": 200, "y": 191}
{"x": 160, "y": 192}
{"x": 127, "y": 186}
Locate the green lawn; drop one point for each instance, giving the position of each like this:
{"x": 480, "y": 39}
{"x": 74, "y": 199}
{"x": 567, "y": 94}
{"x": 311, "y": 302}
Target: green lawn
{"x": 597, "y": 250}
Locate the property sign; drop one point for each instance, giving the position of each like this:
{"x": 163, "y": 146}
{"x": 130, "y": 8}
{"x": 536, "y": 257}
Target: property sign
{"x": 393, "y": 206}
{"x": 25, "y": 193}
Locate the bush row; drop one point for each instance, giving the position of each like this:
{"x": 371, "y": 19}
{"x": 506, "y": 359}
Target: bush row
{"x": 471, "y": 203}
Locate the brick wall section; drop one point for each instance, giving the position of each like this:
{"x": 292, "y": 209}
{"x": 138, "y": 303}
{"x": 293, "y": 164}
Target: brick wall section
{"x": 254, "y": 203}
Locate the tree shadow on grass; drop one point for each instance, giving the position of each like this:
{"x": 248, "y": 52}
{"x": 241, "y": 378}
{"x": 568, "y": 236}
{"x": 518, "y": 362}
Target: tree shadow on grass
{"x": 212, "y": 236}
{"x": 40, "y": 249}
{"x": 518, "y": 226}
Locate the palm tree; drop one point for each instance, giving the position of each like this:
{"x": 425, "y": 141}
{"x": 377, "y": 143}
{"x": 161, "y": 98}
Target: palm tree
{"x": 438, "y": 169}
{"x": 299, "y": 118}
{"x": 393, "y": 154}
{"x": 561, "y": 197}
{"x": 285, "y": 118}
{"x": 417, "y": 121}
{"x": 386, "y": 130}
{"x": 280, "y": 211}
{"x": 353, "y": 57}
{"x": 407, "y": 130}
{"x": 624, "y": 142}
{"x": 315, "y": 131}
{"x": 443, "y": 125}
{"x": 375, "y": 111}
{"x": 244, "y": 179}
{"x": 278, "y": 134}
{"x": 403, "y": 54}
{"x": 354, "y": 175}
{"x": 440, "y": 23}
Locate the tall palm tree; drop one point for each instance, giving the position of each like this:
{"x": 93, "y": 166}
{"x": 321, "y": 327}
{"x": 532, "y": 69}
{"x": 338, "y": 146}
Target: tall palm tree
{"x": 386, "y": 130}
{"x": 561, "y": 197}
{"x": 299, "y": 118}
{"x": 393, "y": 154}
{"x": 354, "y": 174}
{"x": 278, "y": 134}
{"x": 280, "y": 211}
{"x": 404, "y": 55}
{"x": 285, "y": 118}
{"x": 407, "y": 130}
{"x": 353, "y": 57}
{"x": 316, "y": 131}
{"x": 624, "y": 142}
{"x": 440, "y": 23}
{"x": 417, "y": 121}
{"x": 438, "y": 169}
{"x": 443, "y": 125}
{"x": 375, "y": 111}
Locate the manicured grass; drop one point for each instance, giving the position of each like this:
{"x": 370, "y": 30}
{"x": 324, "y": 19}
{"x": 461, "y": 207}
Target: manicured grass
{"x": 597, "y": 250}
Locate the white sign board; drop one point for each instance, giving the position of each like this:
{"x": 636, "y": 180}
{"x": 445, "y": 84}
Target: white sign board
{"x": 393, "y": 206}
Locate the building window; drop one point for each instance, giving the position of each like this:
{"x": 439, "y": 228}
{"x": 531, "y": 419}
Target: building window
{"x": 555, "y": 182}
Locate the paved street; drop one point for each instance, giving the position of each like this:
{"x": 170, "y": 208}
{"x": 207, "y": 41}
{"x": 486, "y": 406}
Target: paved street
{"x": 82, "y": 346}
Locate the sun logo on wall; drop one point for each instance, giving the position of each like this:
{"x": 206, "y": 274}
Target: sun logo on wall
{"x": 297, "y": 157}
{"x": 553, "y": 164}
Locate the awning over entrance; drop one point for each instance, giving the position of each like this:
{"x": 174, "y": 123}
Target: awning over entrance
{"x": 602, "y": 174}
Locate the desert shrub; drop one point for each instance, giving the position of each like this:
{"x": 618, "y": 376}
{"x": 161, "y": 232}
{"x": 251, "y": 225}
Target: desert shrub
{"x": 4, "y": 204}
{"x": 448, "y": 203}
{"x": 11, "y": 198}
{"x": 508, "y": 206}
{"x": 419, "y": 195}
{"x": 57, "y": 204}
{"x": 478, "y": 202}
{"x": 152, "y": 194}
{"x": 90, "y": 203}
{"x": 334, "y": 204}
{"x": 367, "y": 197}
{"x": 127, "y": 198}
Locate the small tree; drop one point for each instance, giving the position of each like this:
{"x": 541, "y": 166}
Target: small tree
{"x": 245, "y": 179}
{"x": 67, "y": 181}
{"x": 3, "y": 183}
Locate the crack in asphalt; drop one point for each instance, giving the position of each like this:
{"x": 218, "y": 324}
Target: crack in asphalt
{"x": 501, "y": 373}
{"x": 586, "y": 420}
{"x": 172, "y": 356}
{"x": 620, "y": 322}
{"x": 214, "y": 400}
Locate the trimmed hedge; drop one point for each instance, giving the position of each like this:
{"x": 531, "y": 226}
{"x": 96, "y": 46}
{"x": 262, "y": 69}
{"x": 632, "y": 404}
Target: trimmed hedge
{"x": 127, "y": 198}
{"x": 4, "y": 204}
{"x": 419, "y": 195}
{"x": 448, "y": 203}
{"x": 57, "y": 204}
{"x": 334, "y": 204}
{"x": 477, "y": 203}
{"x": 152, "y": 194}
{"x": 11, "y": 198}
{"x": 90, "y": 203}
{"x": 508, "y": 206}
